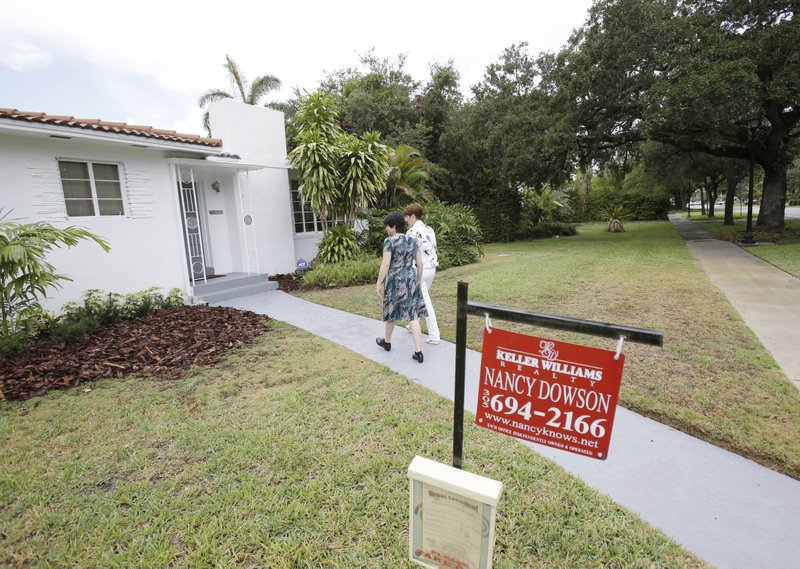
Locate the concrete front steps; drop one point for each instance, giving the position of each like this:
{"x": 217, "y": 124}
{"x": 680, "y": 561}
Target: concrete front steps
{"x": 232, "y": 285}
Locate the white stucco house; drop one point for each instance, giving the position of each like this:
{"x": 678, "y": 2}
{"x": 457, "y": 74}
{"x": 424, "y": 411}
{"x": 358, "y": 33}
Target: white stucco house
{"x": 211, "y": 216}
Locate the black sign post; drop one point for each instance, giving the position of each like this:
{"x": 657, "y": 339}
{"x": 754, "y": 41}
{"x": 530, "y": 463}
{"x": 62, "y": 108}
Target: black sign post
{"x": 464, "y": 308}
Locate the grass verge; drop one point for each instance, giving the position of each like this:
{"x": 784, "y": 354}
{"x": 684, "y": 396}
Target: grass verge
{"x": 713, "y": 379}
{"x": 276, "y": 459}
{"x": 779, "y": 248}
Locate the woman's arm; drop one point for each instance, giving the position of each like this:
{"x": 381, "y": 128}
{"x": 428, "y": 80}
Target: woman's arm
{"x": 387, "y": 258}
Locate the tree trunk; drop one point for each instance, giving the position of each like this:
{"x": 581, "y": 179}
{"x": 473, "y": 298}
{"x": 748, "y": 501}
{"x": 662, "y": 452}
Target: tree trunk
{"x": 730, "y": 196}
{"x": 711, "y": 193}
{"x": 773, "y": 198}
{"x": 615, "y": 226}
{"x": 702, "y": 200}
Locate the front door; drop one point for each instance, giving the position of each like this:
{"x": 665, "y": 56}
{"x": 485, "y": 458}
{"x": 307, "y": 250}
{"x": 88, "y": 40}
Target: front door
{"x": 191, "y": 211}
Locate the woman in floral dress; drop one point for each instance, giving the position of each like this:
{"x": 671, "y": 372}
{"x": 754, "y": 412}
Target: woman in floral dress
{"x": 399, "y": 283}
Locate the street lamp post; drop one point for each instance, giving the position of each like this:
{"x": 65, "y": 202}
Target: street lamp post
{"x": 748, "y": 238}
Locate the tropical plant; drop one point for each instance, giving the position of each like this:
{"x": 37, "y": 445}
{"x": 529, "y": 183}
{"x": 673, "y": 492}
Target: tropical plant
{"x": 247, "y": 92}
{"x": 25, "y": 274}
{"x": 614, "y": 216}
{"x": 540, "y": 206}
{"x": 458, "y": 233}
{"x": 363, "y": 164}
{"x": 340, "y": 173}
{"x": 338, "y": 245}
{"x": 408, "y": 172}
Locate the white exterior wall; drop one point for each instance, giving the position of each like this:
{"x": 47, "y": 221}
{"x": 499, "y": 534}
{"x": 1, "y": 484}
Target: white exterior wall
{"x": 306, "y": 245}
{"x": 257, "y": 135}
{"x": 146, "y": 243}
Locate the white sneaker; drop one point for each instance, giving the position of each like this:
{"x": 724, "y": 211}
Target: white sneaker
{"x": 431, "y": 341}
{"x": 408, "y": 328}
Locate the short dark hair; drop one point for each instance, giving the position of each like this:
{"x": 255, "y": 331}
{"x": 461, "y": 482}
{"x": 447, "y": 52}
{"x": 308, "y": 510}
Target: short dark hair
{"x": 396, "y": 221}
{"x": 413, "y": 209}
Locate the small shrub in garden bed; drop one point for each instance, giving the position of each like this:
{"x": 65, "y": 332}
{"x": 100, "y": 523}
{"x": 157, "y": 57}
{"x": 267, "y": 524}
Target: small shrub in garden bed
{"x": 346, "y": 273}
{"x": 100, "y": 308}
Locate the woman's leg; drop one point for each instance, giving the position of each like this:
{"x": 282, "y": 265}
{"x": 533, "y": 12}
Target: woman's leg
{"x": 387, "y": 334}
{"x": 416, "y": 334}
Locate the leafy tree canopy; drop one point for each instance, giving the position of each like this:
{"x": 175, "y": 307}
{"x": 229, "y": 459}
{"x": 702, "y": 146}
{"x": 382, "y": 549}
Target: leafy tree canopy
{"x": 688, "y": 73}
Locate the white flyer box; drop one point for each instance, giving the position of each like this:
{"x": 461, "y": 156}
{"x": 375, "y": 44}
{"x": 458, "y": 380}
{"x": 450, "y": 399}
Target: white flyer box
{"x": 452, "y": 516}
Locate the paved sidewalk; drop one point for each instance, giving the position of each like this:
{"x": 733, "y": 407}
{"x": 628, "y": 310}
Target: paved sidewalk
{"x": 767, "y": 298}
{"x": 728, "y": 510}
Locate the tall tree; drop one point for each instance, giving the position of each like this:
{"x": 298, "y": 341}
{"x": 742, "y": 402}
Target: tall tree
{"x": 441, "y": 97}
{"x": 378, "y": 96}
{"x": 689, "y": 73}
{"x": 408, "y": 173}
{"x": 340, "y": 173}
{"x": 245, "y": 91}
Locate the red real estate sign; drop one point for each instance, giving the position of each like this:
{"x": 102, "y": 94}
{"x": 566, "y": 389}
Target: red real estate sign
{"x": 552, "y": 393}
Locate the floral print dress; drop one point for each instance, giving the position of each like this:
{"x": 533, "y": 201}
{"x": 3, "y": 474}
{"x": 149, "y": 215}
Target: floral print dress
{"x": 402, "y": 297}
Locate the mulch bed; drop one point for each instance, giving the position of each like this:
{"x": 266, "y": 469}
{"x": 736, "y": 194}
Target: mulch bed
{"x": 164, "y": 344}
{"x": 287, "y": 282}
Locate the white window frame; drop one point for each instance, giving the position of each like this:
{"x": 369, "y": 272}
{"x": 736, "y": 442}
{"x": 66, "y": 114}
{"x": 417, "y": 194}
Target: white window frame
{"x": 93, "y": 186}
{"x": 305, "y": 208}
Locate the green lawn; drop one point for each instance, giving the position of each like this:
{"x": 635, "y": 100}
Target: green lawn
{"x": 713, "y": 379}
{"x": 275, "y": 458}
{"x": 781, "y": 249}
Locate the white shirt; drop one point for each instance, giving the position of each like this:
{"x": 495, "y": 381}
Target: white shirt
{"x": 426, "y": 239}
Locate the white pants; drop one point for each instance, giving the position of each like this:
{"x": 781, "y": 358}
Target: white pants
{"x": 427, "y": 281}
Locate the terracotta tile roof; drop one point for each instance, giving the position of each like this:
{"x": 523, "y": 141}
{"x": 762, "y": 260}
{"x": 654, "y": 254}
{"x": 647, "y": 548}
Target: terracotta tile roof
{"x": 108, "y": 126}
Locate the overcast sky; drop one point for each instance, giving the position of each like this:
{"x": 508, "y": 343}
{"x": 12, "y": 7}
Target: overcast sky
{"x": 148, "y": 62}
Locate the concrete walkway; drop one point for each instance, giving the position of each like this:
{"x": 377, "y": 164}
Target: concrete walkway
{"x": 727, "y": 510}
{"x": 767, "y": 298}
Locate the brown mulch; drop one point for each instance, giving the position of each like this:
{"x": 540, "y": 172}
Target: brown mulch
{"x": 163, "y": 344}
{"x": 287, "y": 282}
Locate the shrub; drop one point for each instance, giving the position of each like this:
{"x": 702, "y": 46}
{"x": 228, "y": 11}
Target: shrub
{"x": 26, "y": 276}
{"x": 498, "y": 211}
{"x": 29, "y": 323}
{"x": 370, "y": 238}
{"x": 100, "y": 308}
{"x": 458, "y": 233}
{"x": 340, "y": 244}
{"x": 548, "y": 229}
{"x": 637, "y": 204}
{"x": 346, "y": 273}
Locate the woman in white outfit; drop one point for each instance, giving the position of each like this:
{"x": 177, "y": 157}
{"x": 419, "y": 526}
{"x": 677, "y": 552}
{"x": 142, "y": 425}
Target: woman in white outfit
{"x": 426, "y": 238}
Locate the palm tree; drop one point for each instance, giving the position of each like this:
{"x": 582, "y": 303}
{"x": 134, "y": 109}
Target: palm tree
{"x": 408, "y": 172}
{"x": 250, "y": 93}
{"x": 540, "y": 205}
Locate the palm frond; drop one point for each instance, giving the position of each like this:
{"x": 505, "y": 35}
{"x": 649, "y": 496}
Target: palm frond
{"x": 262, "y": 85}
{"x": 213, "y": 95}
{"x": 236, "y": 77}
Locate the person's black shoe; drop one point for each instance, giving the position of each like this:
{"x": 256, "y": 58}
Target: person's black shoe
{"x": 384, "y": 344}
{"x": 417, "y": 356}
